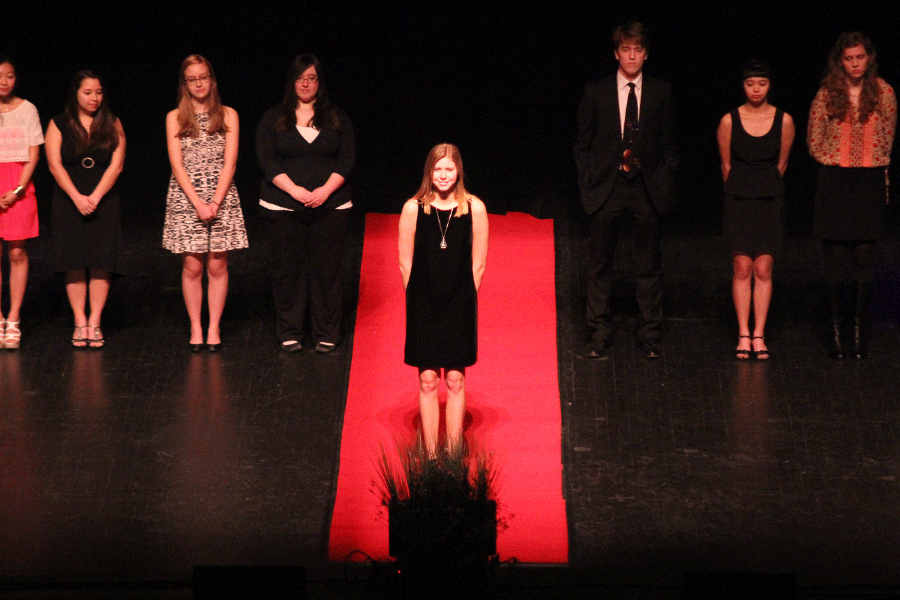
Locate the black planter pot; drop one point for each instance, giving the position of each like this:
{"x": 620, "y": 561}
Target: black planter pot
{"x": 443, "y": 549}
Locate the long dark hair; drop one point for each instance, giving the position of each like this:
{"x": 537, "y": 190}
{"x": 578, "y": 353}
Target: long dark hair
{"x": 103, "y": 132}
{"x": 837, "y": 103}
{"x": 324, "y": 116}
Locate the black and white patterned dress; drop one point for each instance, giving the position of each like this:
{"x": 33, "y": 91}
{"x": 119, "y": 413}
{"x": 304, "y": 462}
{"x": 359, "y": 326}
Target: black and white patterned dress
{"x": 203, "y": 158}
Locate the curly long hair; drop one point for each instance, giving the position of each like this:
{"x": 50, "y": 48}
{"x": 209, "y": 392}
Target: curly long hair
{"x": 426, "y": 192}
{"x": 187, "y": 122}
{"x": 324, "y": 116}
{"x": 837, "y": 102}
{"x": 103, "y": 132}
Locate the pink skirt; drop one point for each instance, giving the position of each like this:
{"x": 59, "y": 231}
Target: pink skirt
{"x": 19, "y": 221}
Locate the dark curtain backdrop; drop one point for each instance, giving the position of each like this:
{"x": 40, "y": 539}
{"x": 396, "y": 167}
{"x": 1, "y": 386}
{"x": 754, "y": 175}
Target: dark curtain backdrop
{"x": 500, "y": 80}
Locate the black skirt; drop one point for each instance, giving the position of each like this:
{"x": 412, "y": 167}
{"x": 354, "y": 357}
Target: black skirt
{"x": 753, "y": 226}
{"x": 850, "y": 203}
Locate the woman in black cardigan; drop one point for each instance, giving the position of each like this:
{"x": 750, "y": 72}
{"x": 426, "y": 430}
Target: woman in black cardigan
{"x": 306, "y": 150}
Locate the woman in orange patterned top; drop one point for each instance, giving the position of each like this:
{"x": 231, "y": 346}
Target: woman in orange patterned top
{"x": 851, "y": 131}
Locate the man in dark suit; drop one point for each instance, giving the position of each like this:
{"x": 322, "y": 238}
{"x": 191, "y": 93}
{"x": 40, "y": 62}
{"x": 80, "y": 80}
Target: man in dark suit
{"x": 626, "y": 157}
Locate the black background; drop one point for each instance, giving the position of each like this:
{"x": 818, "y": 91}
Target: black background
{"x": 500, "y": 80}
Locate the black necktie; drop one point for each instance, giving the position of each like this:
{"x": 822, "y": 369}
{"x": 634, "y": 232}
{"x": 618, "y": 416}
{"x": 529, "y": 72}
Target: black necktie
{"x": 630, "y": 164}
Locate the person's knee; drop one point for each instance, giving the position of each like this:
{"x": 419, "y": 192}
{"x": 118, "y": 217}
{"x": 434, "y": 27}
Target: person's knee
{"x": 192, "y": 269}
{"x": 455, "y": 382}
{"x": 428, "y": 382}
{"x": 217, "y": 267}
{"x": 743, "y": 268}
{"x": 17, "y": 255}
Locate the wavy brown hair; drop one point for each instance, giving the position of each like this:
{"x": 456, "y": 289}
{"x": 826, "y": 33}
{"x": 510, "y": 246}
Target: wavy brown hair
{"x": 187, "y": 122}
{"x": 837, "y": 102}
{"x": 103, "y": 132}
{"x": 426, "y": 192}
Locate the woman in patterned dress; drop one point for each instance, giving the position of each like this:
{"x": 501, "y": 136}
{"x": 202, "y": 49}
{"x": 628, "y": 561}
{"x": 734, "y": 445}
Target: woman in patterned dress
{"x": 851, "y": 131}
{"x": 203, "y": 212}
{"x": 20, "y": 140}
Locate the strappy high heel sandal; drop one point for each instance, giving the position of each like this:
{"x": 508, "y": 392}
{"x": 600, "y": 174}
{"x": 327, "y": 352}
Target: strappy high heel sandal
{"x": 79, "y": 336}
{"x": 740, "y": 353}
{"x": 95, "y": 338}
{"x": 761, "y": 354}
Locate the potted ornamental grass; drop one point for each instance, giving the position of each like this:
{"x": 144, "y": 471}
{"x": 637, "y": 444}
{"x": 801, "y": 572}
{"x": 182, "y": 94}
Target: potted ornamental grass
{"x": 442, "y": 517}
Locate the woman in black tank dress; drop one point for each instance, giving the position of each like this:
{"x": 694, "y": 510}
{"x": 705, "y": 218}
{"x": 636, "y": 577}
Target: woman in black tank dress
{"x": 754, "y": 144}
{"x": 443, "y": 248}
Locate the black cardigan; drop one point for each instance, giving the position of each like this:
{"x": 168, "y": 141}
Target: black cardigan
{"x": 308, "y": 165}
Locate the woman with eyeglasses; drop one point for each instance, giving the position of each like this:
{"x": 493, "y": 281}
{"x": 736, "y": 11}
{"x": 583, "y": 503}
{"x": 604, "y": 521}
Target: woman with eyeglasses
{"x": 203, "y": 213}
{"x": 306, "y": 149}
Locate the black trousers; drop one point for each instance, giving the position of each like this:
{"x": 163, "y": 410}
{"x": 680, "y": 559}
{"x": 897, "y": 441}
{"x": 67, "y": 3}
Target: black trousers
{"x": 305, "y": 260}
{"x": 628, "y": 202}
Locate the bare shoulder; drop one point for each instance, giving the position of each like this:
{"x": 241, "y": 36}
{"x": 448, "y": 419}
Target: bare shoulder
{"x": 411, "y": 206}
{"x": 726, "y": 120}
{"x": 478, "y": 207}
{"x": 230, "y": 114}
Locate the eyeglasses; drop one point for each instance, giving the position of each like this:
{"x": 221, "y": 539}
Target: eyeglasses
{"x": 312, "y": 80}
{"x": 196, "y": 80}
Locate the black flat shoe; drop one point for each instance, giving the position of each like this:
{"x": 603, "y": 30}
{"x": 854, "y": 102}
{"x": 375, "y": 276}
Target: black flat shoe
{"x": 214, "y": 347}
{"x": 651, "y": 349}
{"x": 325, "y": 348}
{"x": 195, "y": 347}
{"x": 597, "y": 350}
{"x": 291, "y": 346}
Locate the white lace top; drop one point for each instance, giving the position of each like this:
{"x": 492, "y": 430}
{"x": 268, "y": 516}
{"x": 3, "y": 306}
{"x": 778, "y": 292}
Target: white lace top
{"x": 20, "y": 129}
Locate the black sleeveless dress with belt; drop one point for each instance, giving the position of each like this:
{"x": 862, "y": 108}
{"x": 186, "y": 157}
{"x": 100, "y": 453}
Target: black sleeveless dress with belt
{"x": 754, "y": 192}
{"x": 441, "y": 301}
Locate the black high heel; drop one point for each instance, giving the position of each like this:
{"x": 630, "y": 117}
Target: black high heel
{"x": 743, "y": 354}
{"x": 761, "y": 354}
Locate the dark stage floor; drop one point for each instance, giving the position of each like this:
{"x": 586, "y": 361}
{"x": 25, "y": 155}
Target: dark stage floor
{"x": 124, "y": 468}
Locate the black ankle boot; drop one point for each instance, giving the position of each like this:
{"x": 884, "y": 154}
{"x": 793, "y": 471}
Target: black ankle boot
{"x": 835, "y": 346}
{"x": 863, "y": 296}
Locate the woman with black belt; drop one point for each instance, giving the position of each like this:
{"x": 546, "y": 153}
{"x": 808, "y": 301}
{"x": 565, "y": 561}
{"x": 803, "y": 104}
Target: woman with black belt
{"x": 754, "y": 144}
{"x": 306, "y": 150}
{"x": 851, "y": 131}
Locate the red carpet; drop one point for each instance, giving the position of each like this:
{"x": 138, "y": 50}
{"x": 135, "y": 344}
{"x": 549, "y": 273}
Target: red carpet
{"x": 512, "y": 400}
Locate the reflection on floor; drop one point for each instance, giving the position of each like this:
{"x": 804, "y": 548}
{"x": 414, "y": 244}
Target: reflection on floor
{"x": 124, "y": 468}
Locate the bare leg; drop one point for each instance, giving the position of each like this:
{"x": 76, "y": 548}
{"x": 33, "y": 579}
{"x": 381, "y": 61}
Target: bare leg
{"x": 429, "y": 408}
{"x": 2, "y": 318}
{"x": 217, "y": 270}
{"x": 98, "y": 289}
{"x": 456, "y": 408}
{"x": 762, "y": 296}
{"x": 741, "y": 292}
{"x": 18, "y": 278}
{"x": 192, "y": 288}
{"x": 76, "y": 290}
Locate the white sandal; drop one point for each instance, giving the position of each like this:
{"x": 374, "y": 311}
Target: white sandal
{"x": 11, "y": 335}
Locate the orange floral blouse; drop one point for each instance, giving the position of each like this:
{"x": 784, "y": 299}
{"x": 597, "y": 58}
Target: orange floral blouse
{"x": 851, "y": 143}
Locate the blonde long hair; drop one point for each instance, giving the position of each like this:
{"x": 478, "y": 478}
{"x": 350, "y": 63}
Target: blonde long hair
{"x": 187, "y": 122}
{"x": 426, "y": 192}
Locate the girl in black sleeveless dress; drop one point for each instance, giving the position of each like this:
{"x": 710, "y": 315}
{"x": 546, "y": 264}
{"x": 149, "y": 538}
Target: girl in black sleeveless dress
{"x": 754, "y": 144}
{"x": 443, "y": 247}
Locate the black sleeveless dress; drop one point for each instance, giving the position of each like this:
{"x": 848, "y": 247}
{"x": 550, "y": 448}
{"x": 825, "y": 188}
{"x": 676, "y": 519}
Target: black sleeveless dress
{"x": 754, "y": 193}
{"x": 441, "y": 301}
{"x": 85, "y": 242}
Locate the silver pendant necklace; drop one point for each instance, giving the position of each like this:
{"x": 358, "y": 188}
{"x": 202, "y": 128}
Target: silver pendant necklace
{"x": 443, "y": 228}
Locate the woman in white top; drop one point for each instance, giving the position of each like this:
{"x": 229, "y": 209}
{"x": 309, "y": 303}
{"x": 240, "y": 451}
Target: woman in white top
{"x": 20, "y": 140}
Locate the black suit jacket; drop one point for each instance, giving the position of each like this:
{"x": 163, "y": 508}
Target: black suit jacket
{"x": 599, "y": 146}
